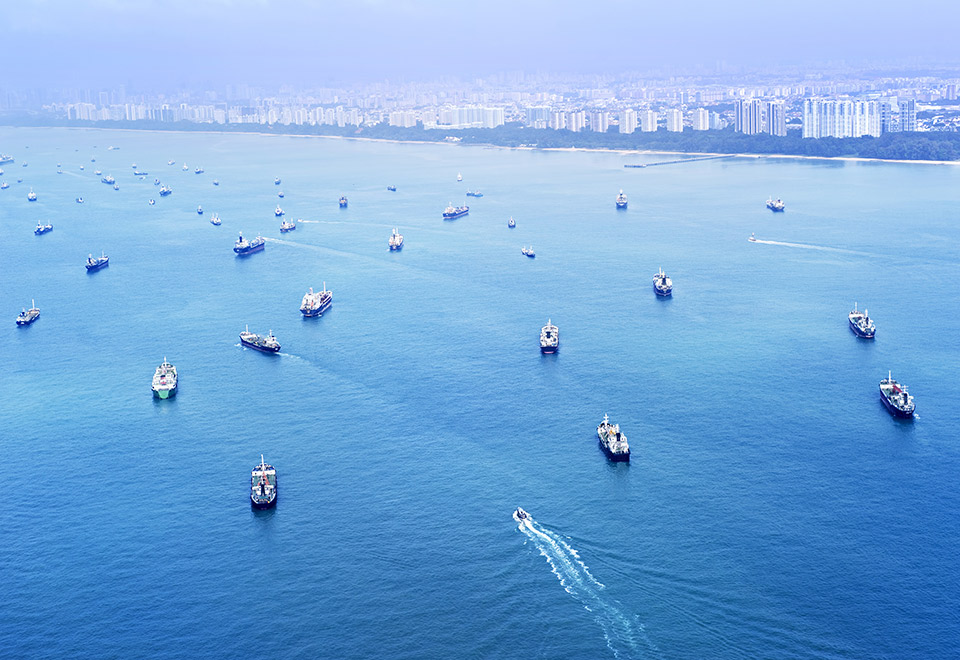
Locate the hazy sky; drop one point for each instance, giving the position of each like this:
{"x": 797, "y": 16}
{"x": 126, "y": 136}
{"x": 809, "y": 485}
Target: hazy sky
{"x": 158, "y": 43}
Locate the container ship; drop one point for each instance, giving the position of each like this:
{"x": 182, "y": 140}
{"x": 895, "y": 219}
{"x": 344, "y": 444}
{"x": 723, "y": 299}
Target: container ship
{"x": 396, "y": 240}
{"x": 268, "y": 344}
{"x": 612, "y": 441}
{"x": 28, "y": 316}
{"x": 263, "y": 485}
{"x": 315, "y": 304}
{"x": 549, "y": 338}
{"x": 96, "y": 263}
{"x": 453, "y": 212}
{"x": 164, "y": 383}
{"x": 662, "y": 285}
{"x": 861, "y": 323}
{"x": 896, "y": 398}
{"x": 244, "y": 247}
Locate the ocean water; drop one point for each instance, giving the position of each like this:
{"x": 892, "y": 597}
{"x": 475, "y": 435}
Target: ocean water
{"x": 772, "y": 509}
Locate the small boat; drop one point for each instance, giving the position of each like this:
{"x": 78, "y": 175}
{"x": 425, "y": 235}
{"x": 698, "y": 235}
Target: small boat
{"x": 662, "y": 285}
{"x": 199, "y": 170}
{"x": 31, "y": 196}
{"x": 286, "y": 226}
{"x": 520, "y": 515}
{"x": 134, "y": 166}
{"x": 81, "y": 167}
{"x": 171, "y": 162}
{"x": 396, "y": 240}
{"x": 278, "y": 211}
{"x": 343, "y": 202}
{"x": 215, "y": 220}
{"x": 392, "y": 188}
{"x": 165, "y": 190}
{"x": 263, "y": 485}
{"x": 96, "y": 263}
{"x": 79, "y": 200}
{"x": 528, "y": 251}
{"x": 152, "y": 202}
{"x": 459, "y": 176}
{"x": 216, "y": 183}
{"x": 108, "y": 179}
{"x": 116, "y": 186}
{"x": 474, "y": 193}
{"x": 752, "y": 238}
{"x": 185, "y": 168}
{"x": 276, "y": 181}
{"x": 28, "y": 316}
{"x": 511, "y": 222}
{"x": 98, "y": 172}
{"x": 156, "y": 182}
{"x": 4, "y": 185}
{"x": 280, "y": 194}
{"x": 199, "y": 210}
{"x": 775, "y": 205}
{"x": 621, "y": 200}
{"x": 42, "y": 229}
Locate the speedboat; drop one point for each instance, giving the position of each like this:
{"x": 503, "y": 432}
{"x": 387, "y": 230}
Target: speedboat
{"x": 276, "y": 181}
{"x": 511, "y": 222}
{"x": 199, "y": 210}
{"x": 280, "y": 194}
{"x": 753, "y": 238}
{"x": 520, "y": 515}
{"x": 79, "y": 200}
{"x": 152, "y": 202}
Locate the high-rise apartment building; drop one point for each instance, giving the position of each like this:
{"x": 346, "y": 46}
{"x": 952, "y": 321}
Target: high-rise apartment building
{"x": 648, "y": 121}
{"x": 674, "y": 120}
{"x": 776, "y": 118}
{"x": 628, "y": 121}
{"x": 599, "y": 122}
{"x": 701, "y": 119}
{"x": 749, "y": 116}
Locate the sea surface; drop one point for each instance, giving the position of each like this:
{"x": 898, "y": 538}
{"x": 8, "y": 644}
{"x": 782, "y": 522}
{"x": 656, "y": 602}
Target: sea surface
{"x": 772, "y": 507}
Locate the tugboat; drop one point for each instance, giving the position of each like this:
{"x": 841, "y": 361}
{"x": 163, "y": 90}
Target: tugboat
{"x": 475, "y": 193}
{"x": 612, "y": 441}
{"x": 199, "y": 210}
{"x": 396, "y": 240}
{"x": 861, "y": 323}
{"x": 278, "y": 211}
{"x": 42, "y": 229}
{"x": 528, "y": 251}
{"x": 896, "y": 398}
{"x": 511, "y": 222}
{"x": 453, "y": 212}
{"x": 244, "y": 247}
{"x": 165, "y": 381}
{"x": 28, "y": 316}
{"x": 31, "y": 196}
{"x": 263, "y": 485}
{"x": 343, "y": 202}
{"x": 621, "y": 200}
{"x": 549, "y": 338}
{"x": 752, "y": 238}
{"x": 276, "y": 181}
{"x": 96, "y": 263}
{"x": 268, "y": 344}
{"x": 662, "y": 285}
{"x": 315, "y": 304}
{"x": 165, "y": 190}
{"x": 775, "y": 205}
{"x": 286, "y": 226}
{"x": 215, "y": 220}
{"x": 392, "y": 188}
{"x": 520, "y": 515}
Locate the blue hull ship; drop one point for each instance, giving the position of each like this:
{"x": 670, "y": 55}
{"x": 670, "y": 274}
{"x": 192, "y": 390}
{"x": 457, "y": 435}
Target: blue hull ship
{"x": 96, "y": 263}
{"x": 244, "y": 247}
{"x": 452, "y": 213}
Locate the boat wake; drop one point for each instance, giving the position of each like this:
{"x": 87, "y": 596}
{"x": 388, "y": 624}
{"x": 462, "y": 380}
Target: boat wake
{"x": 809, "y": 246}
{"x": 623, "y": 632}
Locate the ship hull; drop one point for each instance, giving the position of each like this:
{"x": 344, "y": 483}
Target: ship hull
{"x": 663, "y": 293}
{"x": 165, "y": 394}
{"x": 548, "y": 350}
{"x": 621, "y": 206}
{"x": 256, "y": 347}
{"x": 263, "y": 505}
{"x": 454, "y": 216}
{"x": 618, "y": 458}
{"x": 318, "y": 311}
{"x": 242, "y": 252}
{"x": 860, "y": 333}
{"x": 893, "y": 410}
{"x": 96, "y": 267}
{"x": 27, "y": 321}
{"x": 396, "y": 248}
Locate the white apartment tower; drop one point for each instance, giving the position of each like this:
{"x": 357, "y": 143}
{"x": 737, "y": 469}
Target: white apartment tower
{"x": 675, "y": 121}
{"x": 648, "y": 121}
{"x": 628, "y": 121}
{"x": 701, "y": 119}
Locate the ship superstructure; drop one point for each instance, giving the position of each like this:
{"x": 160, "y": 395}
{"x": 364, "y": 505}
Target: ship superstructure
{"x": 315, "y": 304}
{"x": 612, "y": 441}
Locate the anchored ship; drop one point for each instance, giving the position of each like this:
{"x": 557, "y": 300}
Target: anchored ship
{"x": 243, "y": 246}
{"x": 392, "y": 188}
{"x": 42, "y": 229}
{"x": 165, "y": 381}
{"x": 165, "y": 190}
{"x": 109, "y": 180}
{"x": 528, "y": 251}
{"x": 775, "y": 205}
{"x": 612, "y": 441}
{"x": 96, "y": 263}
{"x": 278, "y": 211}
{"x": 343, "y": 202}
{"x": 315, "y": 304}
{"x": 621, "y": 200}
{"x": 474, "y": 193}
{"x": 453, "y": 212}
{"x": 31, "y": 196}
{"x": 896, "y": 398}
{"x": 199, "y": 210}
{"x": 28, "y": 316}
{"x": 662, "y": 284}
{"x": 861, "y": 323}
{"x": 268, "y": 344}
{"x": 215, "y": 220}
{"x": 287, "y": 225}
{"x": 511, "y": 222}
{"x": 396, "y": 240}
{"x": 549, "y": 338}
{"x": 263, "y": 485}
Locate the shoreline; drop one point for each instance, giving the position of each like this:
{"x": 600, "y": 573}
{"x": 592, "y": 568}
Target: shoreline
{"x": 856, "y": 159}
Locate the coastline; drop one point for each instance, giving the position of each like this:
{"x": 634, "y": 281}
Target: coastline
{"x": 624, "y": 152}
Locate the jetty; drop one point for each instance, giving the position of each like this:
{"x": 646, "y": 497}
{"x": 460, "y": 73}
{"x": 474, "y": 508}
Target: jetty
{"x": 683, "y": 160}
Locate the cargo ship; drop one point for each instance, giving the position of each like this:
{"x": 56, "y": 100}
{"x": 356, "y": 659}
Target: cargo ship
{"x": 31, "y": 196}
{"x": 896, "y": 398}
{"x": 268, "y": 344}
{"x": 287, "y": 225}
{"x": 549, "y": 338}
{"x": 343, "y": 202}
{"x": 42, "y": 229}
{"x": 278, "y": 211}
{"x": 96, "y": 263}
{"x": 775, "y": 205}
{"x": 263, "y": 485}
{"x": 612, "y": 441}
{"x": 5, "y": 158}
{"x": 528, "y": 251}
{"x": 396, "y": 240}
{"x": 164, "y": 383}
{"x": 315, "y": 304}
{"x": 28, "y": 316}
{"x": 215, "y": 220}
{"x": 861, "y": 323}
{"x": 474, "y": 193}
{"x": 109, "y": 180}
{"x": 453, "y": 212}
{"x": 165, "y": 190}
{"x": 662, "y": 285}
{"x": 244, "y": 247}
{"x": 621, "y": 200}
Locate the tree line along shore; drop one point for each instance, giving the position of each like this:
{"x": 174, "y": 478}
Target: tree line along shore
{"x": 928, "y": 146}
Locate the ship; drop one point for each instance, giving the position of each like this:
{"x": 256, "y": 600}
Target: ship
{"x": 511, "y": 222}
{"x": 263, "y": 485}
{"x": 276, "y": 181}
{"x": 4, "y": 185}
{"x": 896, "y": 398}
{"x": 185, "y": 168}
{"x": 662, "y": 284}
{"x": 280, "y": 194}
{"x": 549, "y": 338}
{"x": 199, "y": 210}
{"x": 752, "y": 238}
{"x": 216, "y": 183}
{"x": 199, "y": 170}
{"x": 171, "y": 162}
{"x": 343, "y": 202}
{"x": 459, "y": 176}
{"x": 5, "y": 158}
{"x": 474, "y": 193}
{"x": 392, "y": 188}
{"x": 528, "y": 251}
{"x": 152, "y": 202}
{"x": 453, "y": 212}
{"x": 116, "y": 186}
{"x": 31, "y": 196}
{"x": 775, "y": 205}
{"x": 79, "y": 200}
{"x": 42, "y": 229}
{"x": 396, "y": 240}
{"x": 156, "y": 182}
{"x": 109, "y": 180}
{"x": 286, "y": 226}
{"x": 165, "y": 381}
{"x": 98, "y": 172}
{"x": 28, "y": 316}
{"x": 278, "y": 211}
{"x": 96, "y": 263}
{"x": 621, "y": 200}
{"x": 165, "y": 190}
{"x": 268, "y": 344}
{"x": 315, "y": 304}
{"x": 138, "y": 173}
{"x": 520, "y": 515}
{"x": 612, "y": 441}
{"x": 244, "y": 247}
{"x": 215, "y": 220}
{"x": 861, "y": 323}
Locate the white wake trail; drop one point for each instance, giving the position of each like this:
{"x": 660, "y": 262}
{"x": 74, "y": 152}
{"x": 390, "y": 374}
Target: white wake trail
{"x": 808, "y": 246}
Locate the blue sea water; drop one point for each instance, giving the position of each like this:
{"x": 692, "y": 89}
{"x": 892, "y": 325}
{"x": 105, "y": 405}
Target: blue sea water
{"x": 772, "y": 508}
